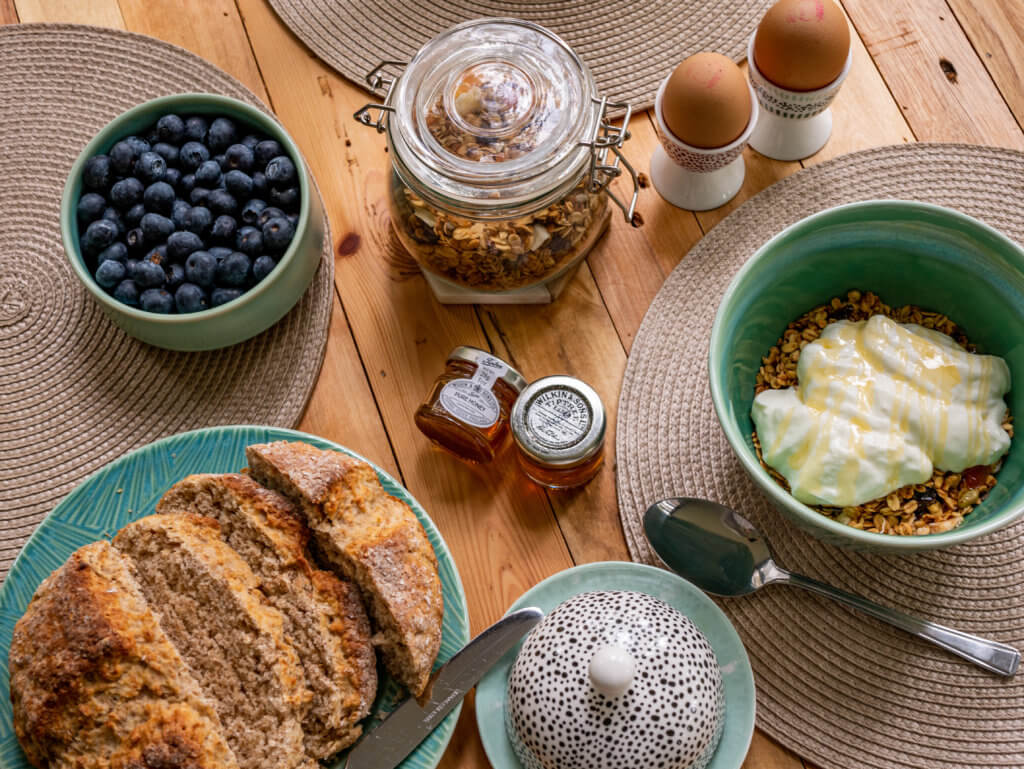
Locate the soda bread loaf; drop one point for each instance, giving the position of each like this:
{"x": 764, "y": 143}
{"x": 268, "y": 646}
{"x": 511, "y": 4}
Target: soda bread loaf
{"x": 207, "y": 601}
{"x": 95, "y": 682}
{"x": 323, "y": 616}
{"x": 367, "y": 535}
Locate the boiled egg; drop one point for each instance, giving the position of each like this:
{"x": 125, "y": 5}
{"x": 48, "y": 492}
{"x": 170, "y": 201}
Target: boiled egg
{"x": 706, "y": 102}
{"x": 802, "y": 45}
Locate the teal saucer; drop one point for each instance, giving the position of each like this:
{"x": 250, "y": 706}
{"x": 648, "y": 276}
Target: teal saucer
{"x": 737, "y": 676}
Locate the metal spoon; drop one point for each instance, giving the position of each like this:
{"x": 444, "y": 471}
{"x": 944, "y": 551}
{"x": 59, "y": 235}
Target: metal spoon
{"x": 722, "y": 553}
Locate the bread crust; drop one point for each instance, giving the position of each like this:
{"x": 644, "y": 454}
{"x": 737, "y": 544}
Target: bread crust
{"x": 369, "y": 536}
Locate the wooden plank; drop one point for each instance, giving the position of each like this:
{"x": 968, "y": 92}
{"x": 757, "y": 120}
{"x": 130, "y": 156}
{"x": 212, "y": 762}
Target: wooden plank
{"x": 766, "y": 753}
{"x": 996, "y": 29}
{"x": 8, "y": 13}
{"x": 932, "y": 70}
{"x": 101, "y": 13}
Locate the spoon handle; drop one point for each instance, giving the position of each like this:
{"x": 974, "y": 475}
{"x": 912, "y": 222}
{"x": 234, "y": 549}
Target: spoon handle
{"x": 990, "y": 655}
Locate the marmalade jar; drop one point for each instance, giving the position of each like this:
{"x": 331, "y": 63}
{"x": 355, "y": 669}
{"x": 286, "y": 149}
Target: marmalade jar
{"x": 501, "y": 155}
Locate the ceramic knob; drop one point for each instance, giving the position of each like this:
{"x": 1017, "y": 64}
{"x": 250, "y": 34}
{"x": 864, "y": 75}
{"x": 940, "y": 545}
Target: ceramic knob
{"x": 611, "y": 670}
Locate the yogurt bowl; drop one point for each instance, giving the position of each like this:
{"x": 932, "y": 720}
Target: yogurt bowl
{"x": 907, "y": 253}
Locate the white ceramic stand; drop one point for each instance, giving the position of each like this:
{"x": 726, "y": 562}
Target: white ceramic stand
{"x": 693, "y": 190}
{"x": 784, "y": 138}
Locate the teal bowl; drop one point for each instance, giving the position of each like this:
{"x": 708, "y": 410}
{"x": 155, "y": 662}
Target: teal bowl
{"x": 907, "y": 253}
{"x": 254, "y": 311}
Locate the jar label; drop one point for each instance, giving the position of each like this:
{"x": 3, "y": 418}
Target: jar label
{"x": 559, "y": 418}
{"x": 470, "y": 401}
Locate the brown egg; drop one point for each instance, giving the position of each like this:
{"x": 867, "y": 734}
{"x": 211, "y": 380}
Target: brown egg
{"x": 802, "y": 45}
{"x": 706, "y": 102}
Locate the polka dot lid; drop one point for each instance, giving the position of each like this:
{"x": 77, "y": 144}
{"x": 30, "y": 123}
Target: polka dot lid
{"x": 617, "y": 680}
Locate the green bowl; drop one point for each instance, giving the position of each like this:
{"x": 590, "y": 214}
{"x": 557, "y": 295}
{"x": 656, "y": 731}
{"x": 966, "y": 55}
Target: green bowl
{"x": 907, "y": 253}
{"x": 257, "y": 309}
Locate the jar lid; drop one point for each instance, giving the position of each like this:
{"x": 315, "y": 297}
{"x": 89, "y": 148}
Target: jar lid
{"x": 559, "y": 421}
{"x": 494, "y": 113}
{"x": 475, "y": 355}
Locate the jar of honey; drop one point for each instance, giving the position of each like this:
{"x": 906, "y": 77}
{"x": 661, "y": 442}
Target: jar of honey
{"x": 558, "y": 424}
{"x": 467, "y": 410}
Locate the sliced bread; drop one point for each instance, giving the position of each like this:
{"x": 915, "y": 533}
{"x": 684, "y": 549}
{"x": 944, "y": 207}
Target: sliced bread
{"x": 323, "y": 616}
{"x": 365, "y": 534}
{"x": 207, "y": 600}
{"x": 96, "y": 684}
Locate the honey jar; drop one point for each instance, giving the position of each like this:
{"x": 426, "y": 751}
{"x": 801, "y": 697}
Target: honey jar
{"x": 558, "y": 424}
{"x": 467, "y": 410}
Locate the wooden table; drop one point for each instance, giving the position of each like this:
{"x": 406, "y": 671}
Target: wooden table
{"x": 923, "y": 70}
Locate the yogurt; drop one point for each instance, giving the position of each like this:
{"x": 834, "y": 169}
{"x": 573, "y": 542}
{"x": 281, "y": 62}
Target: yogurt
{"x": 878, "y": 406}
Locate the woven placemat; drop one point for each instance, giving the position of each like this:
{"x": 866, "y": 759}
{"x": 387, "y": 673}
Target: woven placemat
{"x": 834, "y": 686}
{"x": 76, "y": 391}
{"x": 630, "y": 47}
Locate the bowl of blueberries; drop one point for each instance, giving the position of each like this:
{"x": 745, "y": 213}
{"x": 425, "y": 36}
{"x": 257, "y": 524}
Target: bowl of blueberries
{"x": 191, "y": 220}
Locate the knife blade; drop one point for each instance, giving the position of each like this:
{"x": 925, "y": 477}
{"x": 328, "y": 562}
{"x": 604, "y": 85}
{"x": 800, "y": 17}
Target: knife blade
{"x": 409, "y": 724}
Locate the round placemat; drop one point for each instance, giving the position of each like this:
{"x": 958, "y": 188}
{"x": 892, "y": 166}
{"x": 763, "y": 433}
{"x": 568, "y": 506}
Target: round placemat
{"x": 76, "y": 391}
{"x": 630, "y": 47}
{"x": 836, "y": 687}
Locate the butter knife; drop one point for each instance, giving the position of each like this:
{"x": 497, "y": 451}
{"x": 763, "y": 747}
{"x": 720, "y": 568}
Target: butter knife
{"x": 409, "y": 724}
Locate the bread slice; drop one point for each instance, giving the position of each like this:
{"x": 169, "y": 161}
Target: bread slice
{"x": 367, "y": 535}
{"x": 323, "y": 616}
{"x": 96, "y": 684}
{"x": 206, "y": 599}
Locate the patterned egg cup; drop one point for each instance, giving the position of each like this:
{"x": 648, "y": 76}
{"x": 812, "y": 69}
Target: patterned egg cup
{"x": 694, "y": 178}
{"x": 794, "y": 124}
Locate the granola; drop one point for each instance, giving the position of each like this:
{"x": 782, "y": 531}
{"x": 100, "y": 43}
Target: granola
{"x": 939, "y": 504}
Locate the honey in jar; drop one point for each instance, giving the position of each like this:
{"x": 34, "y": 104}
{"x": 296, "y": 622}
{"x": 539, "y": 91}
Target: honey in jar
{"x": 467, "y": 410}
{"x": 558, "y": 424}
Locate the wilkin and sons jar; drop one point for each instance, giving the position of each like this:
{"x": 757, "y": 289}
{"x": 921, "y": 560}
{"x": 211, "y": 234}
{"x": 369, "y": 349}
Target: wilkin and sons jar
{"x": 502, "y": 152}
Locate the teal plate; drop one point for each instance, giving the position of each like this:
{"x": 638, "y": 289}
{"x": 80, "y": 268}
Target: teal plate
{"x": 737, "y": 677}
{"x": 129, "y": 488}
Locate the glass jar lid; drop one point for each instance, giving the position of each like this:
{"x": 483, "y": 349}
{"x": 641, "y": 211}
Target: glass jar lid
{"x": 558, "y": 421}
{"x": 493, "y": 114}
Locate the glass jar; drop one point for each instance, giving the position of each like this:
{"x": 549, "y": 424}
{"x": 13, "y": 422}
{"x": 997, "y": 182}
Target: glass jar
{"x": 501, "y": 154}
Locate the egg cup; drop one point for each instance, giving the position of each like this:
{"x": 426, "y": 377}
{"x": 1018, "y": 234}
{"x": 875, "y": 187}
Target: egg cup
{"x": 794, "y": 124}
{"x": 694, "y": 178}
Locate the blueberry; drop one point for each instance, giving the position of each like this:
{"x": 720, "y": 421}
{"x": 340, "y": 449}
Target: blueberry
{"x": 170, "y": 128}
{"x": 126, "y": 193}
{"x": 172, "y": 176}
{"x": 157, "y": 254}
{"x": 167, "y": 151}
{"x": 156, "y": 228}
{"x": 263, "y": 267}
{"x": 280, "y": 171}
{"x": 294, "y": 219}
{"x": 187, "y": 184}
{"x": 259, "y": 184}
{"x": 195, "y": 128}
{"x": 192, "y": 155}
{"x": 265, "y": 151}
{"x": 111, "y": 215}
{"x": 110, "y": 273}
{"x": 197, "y": 220}
{"x": 198, "y": 196}
{"x": 115, "y": 252}
{"x": 278, "y": 234}
{"x": 221, "y": 296}
{"x": 222, "y": 202}
{"x": 235, "y": 271}
{"x": 159, "y": 198}
{"x": 149, "y": 274}
{"x": 152, "y": 137}
{"x": 179, "y": 212}
{"x": 220, "y": 253}
{"x": 287, "y": 198}
{"x": 90, "y": 208}
{"x": 190, "y": 298}
{"x": 268, "y": 213}
{"x": 175, "y": 275}
{"x": 134, "y": 215}
{"x": 221, "y": 161}
{"x": 221, "y": 135}
{"x": 156, "y": 300}
{"x": 200, "y": 268}
{"x": 208, "y": 173}
{"x": 127, "y": 292}
{"x": 251, "y": 211}
{"x": 135, "y": 239}
{"x": 181, "y": 244}
{"x": 224, "y": 228}
{"x": 98, "y": 236}
{"x": 238, "y": 183}
{"x": 122, "y": 157}
{"x": 138, "y": 144}
{"x": 97, "y": 174}
{"x": 249, "y": 241}
{"x": 250, "y": 141}
{"x": 238, "y": 157}
{"x": 150, "y": 167}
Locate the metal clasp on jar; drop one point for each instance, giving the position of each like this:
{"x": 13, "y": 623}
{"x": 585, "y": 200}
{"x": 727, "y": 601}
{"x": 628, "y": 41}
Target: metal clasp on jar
{"x": 608, "y": 138}
{"x": 379, "y": 80}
